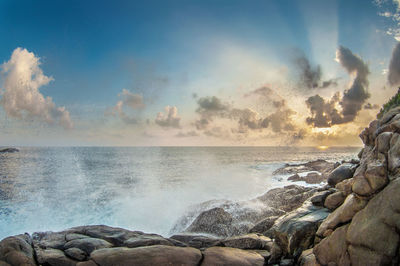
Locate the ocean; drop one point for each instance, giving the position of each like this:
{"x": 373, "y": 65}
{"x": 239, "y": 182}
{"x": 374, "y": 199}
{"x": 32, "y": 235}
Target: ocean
{"x": 138, "y": 188}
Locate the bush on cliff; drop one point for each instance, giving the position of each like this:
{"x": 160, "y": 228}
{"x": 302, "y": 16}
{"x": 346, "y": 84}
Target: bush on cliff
{"x": 393, "y": 102}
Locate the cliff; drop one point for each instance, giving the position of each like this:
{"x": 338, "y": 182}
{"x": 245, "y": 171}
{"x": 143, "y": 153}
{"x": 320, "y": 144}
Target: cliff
{"x": 353, "y": 220}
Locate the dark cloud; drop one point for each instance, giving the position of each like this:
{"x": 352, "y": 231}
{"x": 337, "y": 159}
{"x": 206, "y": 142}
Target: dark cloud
{"x": 211, "y": 104}
{"x": 324, "y": 113}
{"x": 169, "y": 119}
{"x": 310, "y": 77}
{"x": 394, "y": 67}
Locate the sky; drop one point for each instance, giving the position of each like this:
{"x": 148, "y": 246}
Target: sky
{"x": 195, "y": 73}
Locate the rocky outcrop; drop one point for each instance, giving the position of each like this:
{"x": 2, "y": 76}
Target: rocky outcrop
{"x": 9, "y": 150}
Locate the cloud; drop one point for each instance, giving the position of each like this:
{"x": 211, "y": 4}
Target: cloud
{"x": 21, "y": 97}
{"x": 310, "y": 77}
{"x": 325, "y": 113}
{"x": 188, "y": 134}
{"x": 169, "y": 119}
{"x": 210, "y": 107}
{"x": 394, "y": 66}
{"x": 370, "y": 106}
{"x": 130, "y": 100}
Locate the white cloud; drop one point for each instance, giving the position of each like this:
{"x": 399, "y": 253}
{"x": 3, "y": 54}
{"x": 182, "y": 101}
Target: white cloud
{"x": 169, "y": 119}
{"x": 21, "y": 97}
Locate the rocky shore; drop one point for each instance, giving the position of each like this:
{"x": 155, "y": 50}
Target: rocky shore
{"x": 352, "y": 219}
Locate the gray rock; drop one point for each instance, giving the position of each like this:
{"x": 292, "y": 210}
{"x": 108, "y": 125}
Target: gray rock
{"x": 295, "y": 231}
{"x": 215, "y": 221}
{"x": 222, "y": 256}
{"x": 17, "y": 250}
{"x": 344, "y": 171}
{"x": 146, "y": 240}
{"x": 88, "y": 244}
{"x": 147, "y": 256}
{"x": 249, "y": 241}
{"x": 197, "y": 241}
{"x": 319, "y": 198}
{"x": 75, "y": 253}
{"x": 53, "y": 257}
{"x": 334, "y": 200}
{"x": 263, "y": 226}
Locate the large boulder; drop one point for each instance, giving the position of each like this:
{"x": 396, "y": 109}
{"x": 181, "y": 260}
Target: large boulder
{"x": 263, "y": 226}
{"x": 334, "y": 200}
{"x": 343, "y": 214}
{"x": 373, "y": 235}
{"x": 147, "y": 256}
{"x": 215, "y": 221}
{"x": 53, "y": 257}
{"x": 295, "y": 231}
{"x": 344, "y": 171}
{"x": 88, "y": 244}
{"x": 197, "y": 241}
{"x": 17, "y": 250}
{"x": 231, "y": 257}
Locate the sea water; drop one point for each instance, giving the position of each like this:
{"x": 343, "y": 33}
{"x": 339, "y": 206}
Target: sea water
{"x": 138, "y": 188}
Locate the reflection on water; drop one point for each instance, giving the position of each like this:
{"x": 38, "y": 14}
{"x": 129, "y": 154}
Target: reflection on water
{"x": 139, "y": 188}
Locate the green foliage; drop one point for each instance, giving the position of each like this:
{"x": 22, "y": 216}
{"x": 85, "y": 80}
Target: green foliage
{"x": 393, "y": 102}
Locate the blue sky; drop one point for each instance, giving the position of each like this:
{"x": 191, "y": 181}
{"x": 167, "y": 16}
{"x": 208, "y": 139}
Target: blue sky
{"x": 166, "y": 51}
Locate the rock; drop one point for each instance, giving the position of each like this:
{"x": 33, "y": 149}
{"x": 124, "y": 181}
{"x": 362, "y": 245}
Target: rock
{"x": 146, "y": 240}
{"x": 307, "y": 258}
{"x": 231, "y": 257}
{"x": 319, "y": 198}
{"x": 49, "y": 240}
{"x": 86, "y": 263}
{"x": 75, "y": 253}
{"x": 321, "y": 166}
{"x": 388, "y": 116}
{"x": 116, "y": 236}
{"x": 88, "y": 244}
{"x": 147, "y": 256}
{"x": 294, "y": 177}
{"x": 333, "y": 249}
{"x": 286, "y": 262}
{"x": 73, "y": 236}
{"x": 394, "y": 153}
{"x": 334, "y": 200}
{"x": 382, "y": 142}
{"x": 249, "y": 241}
{"x": 9, "y": 150}
{"x": 17, "y": 250}
{"x": 343, "y": 214}
{"x": 367, "y": 135}
{"x": 345, "y": 186}
{"x": 197, "y": 241}
{"x": 264, "y": 225}
{"x": 214, "y": 221}
{"x": 376, "y": 175}
{"x": 295, "y": 231}
{"x": 344, "y": 171}
{"x": 264, "y": 253}
{"x": 53, "y": 257}
{"x": 287, "y": 198}
{"x": 373, "y": 233}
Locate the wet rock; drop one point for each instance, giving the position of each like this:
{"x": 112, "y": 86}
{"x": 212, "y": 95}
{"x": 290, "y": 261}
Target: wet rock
{"x": 215, "y": 221}
{"x": 373, "y": 233}
{"x": 88, "y": 244}
{"x": 9, "y": 150}
{"x": 263, "y": 226}
{"x": 147, "y": 256}
{"x": 334, "y": 200}
{"x": 146, "y": 240}
{"x": 333, "y": 249}
{"x": 319, "y": 198}
{"x": 295, "y": 231}
{"x": 231, "y": 257}
{"x": 344, "y": 171}
{"x": 17, "y": 250}
{"x": 249, "y": 241}
{"x": 53, "y": 257}
{"x": 343, "y": 214}
{"x": 197, "y": 241}
{"x": 49, "y": 240}
{"x": 286, "y": 262}
{"x": 75, "y": 253}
